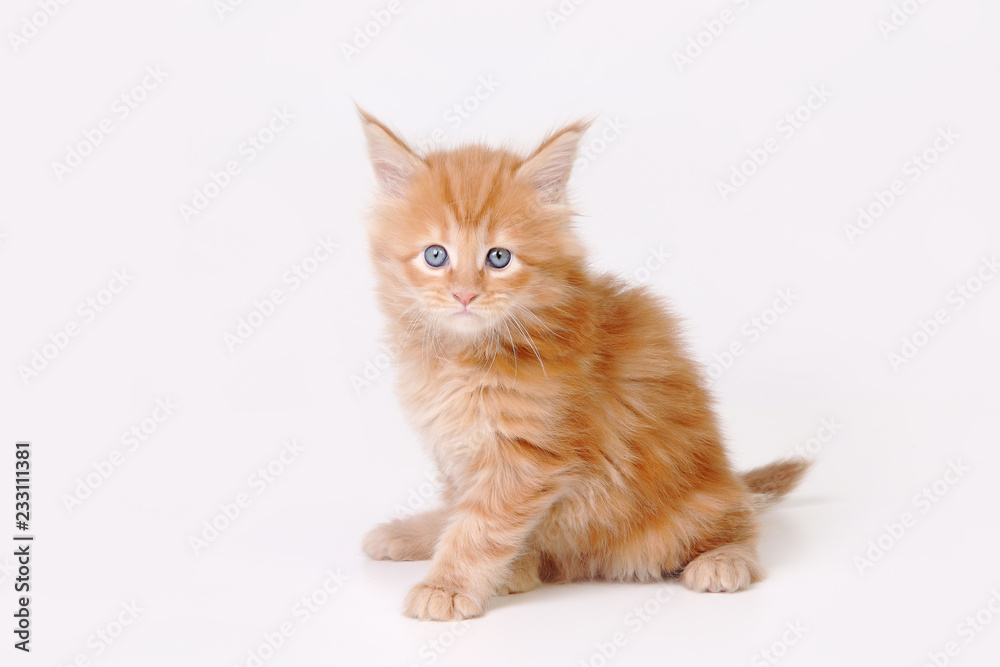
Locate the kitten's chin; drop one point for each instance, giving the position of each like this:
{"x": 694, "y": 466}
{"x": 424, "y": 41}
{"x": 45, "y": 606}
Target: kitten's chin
{"x": 466, "y": 324}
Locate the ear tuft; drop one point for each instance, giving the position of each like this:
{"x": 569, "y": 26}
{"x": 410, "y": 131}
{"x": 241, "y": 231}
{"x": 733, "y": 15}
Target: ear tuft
{"x": 549, "y": 167}
{"x": 394, "y": 163}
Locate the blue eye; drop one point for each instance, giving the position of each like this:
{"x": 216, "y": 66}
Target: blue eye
{"x": 436, "y": 256}
{"x": 498, "y": 258}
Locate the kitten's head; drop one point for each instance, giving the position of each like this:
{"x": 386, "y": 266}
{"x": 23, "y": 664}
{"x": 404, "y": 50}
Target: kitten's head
{"x": 472, "y": 240}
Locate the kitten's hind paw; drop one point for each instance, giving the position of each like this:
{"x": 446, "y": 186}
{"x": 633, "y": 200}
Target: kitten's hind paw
{"x": 523, "y": 575}
{"x": 727, "y": 569}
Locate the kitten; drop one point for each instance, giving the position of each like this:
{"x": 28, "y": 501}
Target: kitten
{"x": 575, "y": 436}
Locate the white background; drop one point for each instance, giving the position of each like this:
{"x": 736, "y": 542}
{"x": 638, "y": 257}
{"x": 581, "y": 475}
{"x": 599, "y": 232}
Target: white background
{"x": 654, "y": 185}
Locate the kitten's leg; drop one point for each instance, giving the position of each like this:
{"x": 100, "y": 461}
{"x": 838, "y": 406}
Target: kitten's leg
{"x": 412, "y": 538}
{"x": 727, "y": 569}
{"x": 491, "y": 523}
{"x": 523, "y": 574}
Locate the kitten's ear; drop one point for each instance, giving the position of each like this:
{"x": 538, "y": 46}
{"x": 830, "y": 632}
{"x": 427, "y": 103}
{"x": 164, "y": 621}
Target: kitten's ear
{"x": 394, "y": 163}
{"x": 548, "y": 168}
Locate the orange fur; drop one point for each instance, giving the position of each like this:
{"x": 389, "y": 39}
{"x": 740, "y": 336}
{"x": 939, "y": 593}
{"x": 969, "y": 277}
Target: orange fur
{"x": 574, "y": 433}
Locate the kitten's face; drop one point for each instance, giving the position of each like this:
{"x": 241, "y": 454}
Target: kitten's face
{"x": 470, "y": 275}
{"x": 472, "y": 242}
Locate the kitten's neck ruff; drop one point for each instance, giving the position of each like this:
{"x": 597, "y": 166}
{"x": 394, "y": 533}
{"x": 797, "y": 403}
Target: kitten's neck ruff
{"x": 504, "y": 336}
{"x": 533, "y": 342}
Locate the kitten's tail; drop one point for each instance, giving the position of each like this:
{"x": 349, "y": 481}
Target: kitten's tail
{"x": 769, "y": 483}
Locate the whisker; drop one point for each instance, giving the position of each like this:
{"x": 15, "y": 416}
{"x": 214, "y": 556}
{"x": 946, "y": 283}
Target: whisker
{"x": 410, "y": 328}
{"x": 537, "y": 319}
{"x": 411, "y": 307}
{"x": 513, "y": 347}
{"x": 494, "y": 338}
{"x": 531, "y": 342}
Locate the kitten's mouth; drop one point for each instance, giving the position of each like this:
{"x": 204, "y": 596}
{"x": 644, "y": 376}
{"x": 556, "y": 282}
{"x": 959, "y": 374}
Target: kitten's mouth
{"x": 464, "y": 311}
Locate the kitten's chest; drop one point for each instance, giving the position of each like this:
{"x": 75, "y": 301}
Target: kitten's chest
{"x": 454, "y": 410}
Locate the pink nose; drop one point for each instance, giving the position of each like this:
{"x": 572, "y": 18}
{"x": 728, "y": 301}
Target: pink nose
{"x": 465, "y": 298}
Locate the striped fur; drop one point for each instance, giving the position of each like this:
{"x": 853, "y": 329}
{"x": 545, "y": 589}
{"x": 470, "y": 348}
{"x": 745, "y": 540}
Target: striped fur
{"x": 574, "y": 433}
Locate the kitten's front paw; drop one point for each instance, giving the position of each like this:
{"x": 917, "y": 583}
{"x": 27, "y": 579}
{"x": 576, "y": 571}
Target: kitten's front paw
{"x": 437, "y": 603}
{"x": 392, "y": 541}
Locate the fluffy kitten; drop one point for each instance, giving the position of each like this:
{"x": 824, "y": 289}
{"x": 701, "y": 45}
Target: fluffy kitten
{"x": 575, "y": 437}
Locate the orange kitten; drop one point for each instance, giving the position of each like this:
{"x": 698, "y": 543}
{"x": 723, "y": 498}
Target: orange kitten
{"x": 574, "y": 434}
